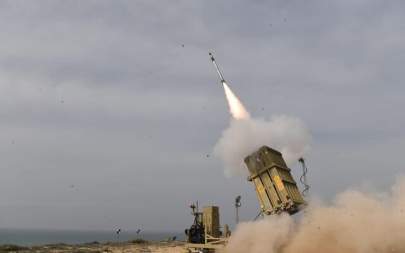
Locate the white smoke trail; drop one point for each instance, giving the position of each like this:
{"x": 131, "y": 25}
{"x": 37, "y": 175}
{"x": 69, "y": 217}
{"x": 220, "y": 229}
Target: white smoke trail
{"x": 245, "y": 135}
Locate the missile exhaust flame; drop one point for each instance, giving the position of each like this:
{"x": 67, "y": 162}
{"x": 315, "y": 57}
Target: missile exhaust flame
{"x": 236, "y": 107}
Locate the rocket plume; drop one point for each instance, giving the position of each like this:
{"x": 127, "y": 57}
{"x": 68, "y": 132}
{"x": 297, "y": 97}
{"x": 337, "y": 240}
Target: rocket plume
{"x": 236, "y": 107}
{"x": 245, "y": 135}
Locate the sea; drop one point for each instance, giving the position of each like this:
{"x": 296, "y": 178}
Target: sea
{"x": 30, "y": 237}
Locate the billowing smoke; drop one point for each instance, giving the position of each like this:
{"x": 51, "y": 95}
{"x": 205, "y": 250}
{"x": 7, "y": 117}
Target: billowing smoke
{"x": 245, "y": 135}
{"x": 356, "y": 222}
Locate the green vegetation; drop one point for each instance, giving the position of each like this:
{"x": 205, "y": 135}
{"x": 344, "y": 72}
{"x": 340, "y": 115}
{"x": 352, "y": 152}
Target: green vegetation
{"x": 11, "y": 248}
{"x": 92, "y": 243}
{"x": 139, "y": 241}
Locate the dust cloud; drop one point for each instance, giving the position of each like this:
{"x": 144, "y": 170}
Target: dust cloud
{"x": 355, "y": 222}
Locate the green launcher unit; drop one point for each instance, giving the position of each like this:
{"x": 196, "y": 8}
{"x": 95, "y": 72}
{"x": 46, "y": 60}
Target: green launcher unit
{"x": 276, "y": 189}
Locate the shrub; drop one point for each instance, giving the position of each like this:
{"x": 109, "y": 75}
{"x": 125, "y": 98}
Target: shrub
{"x": 139, "y": 241}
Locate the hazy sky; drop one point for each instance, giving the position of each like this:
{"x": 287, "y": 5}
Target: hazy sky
{"x": 107, "y": 119}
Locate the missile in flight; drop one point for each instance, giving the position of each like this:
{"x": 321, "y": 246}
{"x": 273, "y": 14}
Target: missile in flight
{"x": 221, "y": 77}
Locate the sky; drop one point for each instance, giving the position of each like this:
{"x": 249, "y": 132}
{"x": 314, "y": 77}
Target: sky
{"x": 109, "y": 110}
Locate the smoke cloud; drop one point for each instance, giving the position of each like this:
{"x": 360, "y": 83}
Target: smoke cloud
{"x": 284, "y": 133}
{"x": 245, "y": 135}
{"x": 355, "y": 222}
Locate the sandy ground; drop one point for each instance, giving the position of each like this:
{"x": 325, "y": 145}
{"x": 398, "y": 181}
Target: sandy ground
{"x": 161, "y": 247}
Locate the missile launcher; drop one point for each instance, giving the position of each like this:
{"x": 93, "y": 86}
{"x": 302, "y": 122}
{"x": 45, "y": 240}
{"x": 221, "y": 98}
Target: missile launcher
{"x": 276, "y": 189}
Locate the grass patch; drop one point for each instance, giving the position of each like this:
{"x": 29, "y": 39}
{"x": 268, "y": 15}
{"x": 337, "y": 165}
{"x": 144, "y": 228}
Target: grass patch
{"x": 91, "y": 243}
{"x": 56, "y": 245}
{"x": 139, "y": 241}
{"x": 11, "y": 248}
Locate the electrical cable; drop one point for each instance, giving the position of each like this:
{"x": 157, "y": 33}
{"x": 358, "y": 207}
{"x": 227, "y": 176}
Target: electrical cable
{"x": 257, "y": 216}
{"x": 303, "y": 178}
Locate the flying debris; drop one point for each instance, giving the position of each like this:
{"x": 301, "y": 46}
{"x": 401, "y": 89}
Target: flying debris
{"x": 221, "y": 77}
